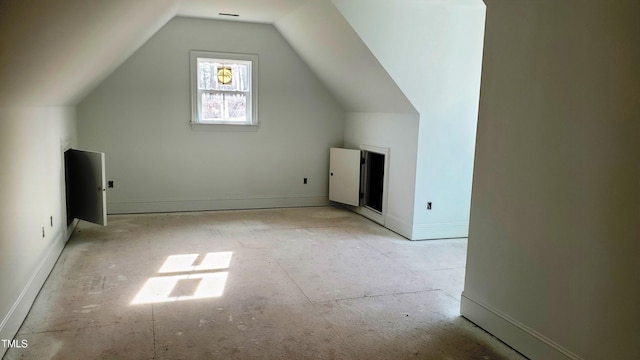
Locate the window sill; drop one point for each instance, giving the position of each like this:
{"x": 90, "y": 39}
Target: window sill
{"x": 223, "y": 127}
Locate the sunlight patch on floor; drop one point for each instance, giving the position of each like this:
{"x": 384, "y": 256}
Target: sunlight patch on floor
{"x": 191, "y": 281}
{"x": 185, "y": 263}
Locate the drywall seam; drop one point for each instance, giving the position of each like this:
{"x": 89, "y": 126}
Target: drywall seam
{"x": 526, "y": 340}
{"x": 21, "y": 307}
{"x": 131, "y": 207}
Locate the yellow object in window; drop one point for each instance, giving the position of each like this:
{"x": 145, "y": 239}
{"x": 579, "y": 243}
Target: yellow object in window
{"x": 224, "y": 75}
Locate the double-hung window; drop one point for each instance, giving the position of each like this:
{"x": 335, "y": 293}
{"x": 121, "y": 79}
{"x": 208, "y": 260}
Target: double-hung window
{"x": 223, "y": 88}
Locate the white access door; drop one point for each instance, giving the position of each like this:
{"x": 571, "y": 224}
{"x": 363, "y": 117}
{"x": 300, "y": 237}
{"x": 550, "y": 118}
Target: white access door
{"x": 85, "y": 186}
{"x": 344, "y": 176}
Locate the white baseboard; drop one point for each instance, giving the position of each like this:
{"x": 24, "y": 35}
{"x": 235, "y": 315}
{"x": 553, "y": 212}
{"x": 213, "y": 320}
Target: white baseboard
{"x": 18, "y": 312}
{"x": 134, "y": 207}
{"x": 398, "y": 226}
{"x": 440, "y": 231}
{"x": 515, "y": 334}
{"x": 369, "y": 214}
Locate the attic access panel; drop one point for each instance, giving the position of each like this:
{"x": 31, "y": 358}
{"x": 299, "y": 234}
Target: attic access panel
{"x": 356, "y": 178}
{"x": 344, "y": 176}
{"x": 85, "y": 186}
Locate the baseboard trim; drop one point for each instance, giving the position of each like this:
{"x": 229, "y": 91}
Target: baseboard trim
{"x": 137, "y": 207}
{"x": 515, "y": 334}
{"x": 21, "y": 307}
{"x": 440, "y": 231}
{"x": 398, "y": 226}
{"x": 369, "y": 214}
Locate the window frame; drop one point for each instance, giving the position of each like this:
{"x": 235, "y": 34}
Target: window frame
{"x": 252, "y": 103}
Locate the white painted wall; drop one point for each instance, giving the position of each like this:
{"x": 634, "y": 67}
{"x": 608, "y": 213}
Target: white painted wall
{"x": 139, "y": 117}
{"x": 399, "y": 133}
{"x": 553, "y": 258}
{"x": 378, "y": 113}
{"x": 327, "y": 43}
{"x": 32, "y": 142}
{"x": 433, "y": 51}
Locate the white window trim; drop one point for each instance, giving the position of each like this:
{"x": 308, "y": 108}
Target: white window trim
{"x": 223, "y": 125}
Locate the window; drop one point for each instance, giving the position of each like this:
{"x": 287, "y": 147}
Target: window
{"x": 223, "y": 89}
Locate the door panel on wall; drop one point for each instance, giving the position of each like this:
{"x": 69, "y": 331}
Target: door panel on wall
{"x": 344, "y": 176}
{"x": 85, "y": 186}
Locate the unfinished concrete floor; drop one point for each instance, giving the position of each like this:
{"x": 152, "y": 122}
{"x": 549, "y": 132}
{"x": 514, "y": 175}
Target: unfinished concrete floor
{"x": 304, "y": 283}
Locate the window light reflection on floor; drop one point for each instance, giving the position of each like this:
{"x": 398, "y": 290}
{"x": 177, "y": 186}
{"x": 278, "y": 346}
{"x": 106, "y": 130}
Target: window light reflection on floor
{"x": 198, "y": 281}
{"x": 184, "y": 263}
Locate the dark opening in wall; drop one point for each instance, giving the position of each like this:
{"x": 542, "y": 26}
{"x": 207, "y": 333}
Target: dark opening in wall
{"x": 373, "y": 180}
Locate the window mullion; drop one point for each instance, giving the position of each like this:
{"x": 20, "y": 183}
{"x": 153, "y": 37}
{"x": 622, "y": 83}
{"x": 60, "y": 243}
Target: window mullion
{"x": 225, "y": 109}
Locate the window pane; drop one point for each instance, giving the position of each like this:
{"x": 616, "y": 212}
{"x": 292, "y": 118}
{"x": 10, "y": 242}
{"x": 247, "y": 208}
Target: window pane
{"x": 217, "y": 74}
{"x": 237, "y": 106}
{"x": 212, "y": 106}
{"x": 224, "y": 107}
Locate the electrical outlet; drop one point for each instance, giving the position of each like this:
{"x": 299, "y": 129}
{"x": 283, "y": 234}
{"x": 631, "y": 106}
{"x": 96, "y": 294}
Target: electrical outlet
{"x": 429, "y": 206}
{"x": 305, "y": 180}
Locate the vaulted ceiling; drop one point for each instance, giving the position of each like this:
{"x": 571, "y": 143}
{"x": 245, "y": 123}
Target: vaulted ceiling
{"x": 261, "y": 11}
{"x": 54, "y": 53}
{"x": 332, "y": 49}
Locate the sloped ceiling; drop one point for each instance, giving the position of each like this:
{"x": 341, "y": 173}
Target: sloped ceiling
{"x": 54, "y": 53}
{"x": 326, "y": 42}
{"x": 333, "y": 50}
{"x": 261, "y": 11}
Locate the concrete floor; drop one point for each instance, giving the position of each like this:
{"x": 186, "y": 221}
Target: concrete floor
{"x": 308, "y": 283}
